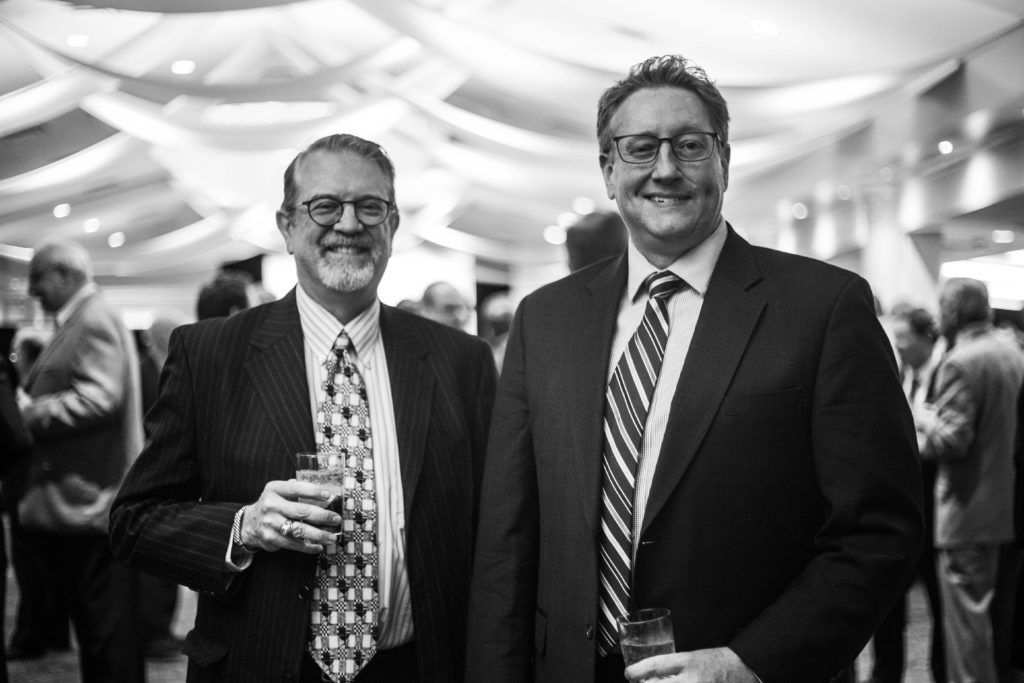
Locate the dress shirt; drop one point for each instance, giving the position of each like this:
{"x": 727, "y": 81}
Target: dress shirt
{"x": 319, "y": 331}
{"x": 695, "y": 268}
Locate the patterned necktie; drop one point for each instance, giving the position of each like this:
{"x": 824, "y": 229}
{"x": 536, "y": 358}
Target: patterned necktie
{"x": 627, "y": 403}
{"x": 346, "y": 604}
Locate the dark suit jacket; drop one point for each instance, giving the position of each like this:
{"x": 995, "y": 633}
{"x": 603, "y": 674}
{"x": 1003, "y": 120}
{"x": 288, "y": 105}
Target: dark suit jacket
{"x": 233, "y": 408}
{"x": 785, "y": 515}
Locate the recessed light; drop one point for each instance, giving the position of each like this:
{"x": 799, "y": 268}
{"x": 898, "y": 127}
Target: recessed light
{"x": 91, "y": 224}
{"x": 945, "y": 147}
{"x": 554, "y": 234}
{"x": 1003, "y": 236}
{"x": 843, "y": 192}
{"x": 62, "y": 211}
{"x": 77, "y": 40}
{"x": 583, "y": 205}
{"x": 116, "y": 239}
{"x": 183, "y": 67}
{"x": 800, "y": 211}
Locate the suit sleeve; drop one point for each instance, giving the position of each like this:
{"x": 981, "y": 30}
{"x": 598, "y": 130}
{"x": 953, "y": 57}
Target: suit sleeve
{"x": 503, "y": 590}
{"x": 159, "y": 523}
{"x": 952, "y": 433}
{"x": 96, "y": 385}
{"x": 867, "y": 545}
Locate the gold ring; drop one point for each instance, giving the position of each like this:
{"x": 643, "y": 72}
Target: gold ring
{"x": 286, "y": 527}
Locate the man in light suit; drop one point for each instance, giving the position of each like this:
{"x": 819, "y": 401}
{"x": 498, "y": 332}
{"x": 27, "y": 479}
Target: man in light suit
{"x": 971, "y": 437}
{"x": 85, "y": 414}
{"x": 776, "y": 501}
{"x": 212, "y": 502}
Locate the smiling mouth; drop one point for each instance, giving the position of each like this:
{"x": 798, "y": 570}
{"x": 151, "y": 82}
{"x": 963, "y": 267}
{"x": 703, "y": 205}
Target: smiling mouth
{"x": 667, "y": 201}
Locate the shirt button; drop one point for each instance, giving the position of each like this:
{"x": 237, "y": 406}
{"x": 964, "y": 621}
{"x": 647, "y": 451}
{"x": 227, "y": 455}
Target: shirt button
{"x": 590, "y": 632}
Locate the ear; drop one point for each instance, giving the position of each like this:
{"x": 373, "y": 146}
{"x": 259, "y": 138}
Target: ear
{"x": 726, "y": 156}
{"x": 285, "y": 226}
{"x": 605, "y": 160}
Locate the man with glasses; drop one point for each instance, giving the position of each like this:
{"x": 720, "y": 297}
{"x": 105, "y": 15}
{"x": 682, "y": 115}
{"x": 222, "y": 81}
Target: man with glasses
{"x": 697, "y": 424}
{"x": 374, "y": 588}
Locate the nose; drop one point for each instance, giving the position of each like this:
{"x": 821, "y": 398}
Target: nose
{"x": 665, "y": 164}
{"x": 347, "y": 222}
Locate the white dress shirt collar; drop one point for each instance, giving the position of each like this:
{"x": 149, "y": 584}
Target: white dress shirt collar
{"x": 694, "y": 267}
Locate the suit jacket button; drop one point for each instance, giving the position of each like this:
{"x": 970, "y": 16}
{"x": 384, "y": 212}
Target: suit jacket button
{"x": 304, "y": 593}
{"x": 590, "y": 632}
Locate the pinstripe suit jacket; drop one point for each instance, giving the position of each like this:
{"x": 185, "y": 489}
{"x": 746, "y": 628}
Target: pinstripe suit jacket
{"x": 233, "y": 407}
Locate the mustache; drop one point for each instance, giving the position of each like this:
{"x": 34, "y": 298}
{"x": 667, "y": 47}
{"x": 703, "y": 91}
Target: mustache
{"x": 356, "y": 242}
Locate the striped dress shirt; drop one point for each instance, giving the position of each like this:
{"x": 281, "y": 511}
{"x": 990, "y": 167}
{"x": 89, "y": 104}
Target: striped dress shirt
{"x": 695, "y": 268}
{"x": 319, "y": 330}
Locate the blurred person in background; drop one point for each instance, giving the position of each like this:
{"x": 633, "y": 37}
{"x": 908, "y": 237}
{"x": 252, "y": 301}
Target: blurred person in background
{"x": 496, "y": 313}
{"x": 969, "y": 434}
{"x": 445, "y": 304}
{"x": 227, "y": 293}
{"x": 84, "y": 411}
{"x": 915, "y": 336}
{"x": 15, "y": 447}
{"x": 287, "y": 590}
{"x": 41, "y": 623}
{"x": 595, "y": 237}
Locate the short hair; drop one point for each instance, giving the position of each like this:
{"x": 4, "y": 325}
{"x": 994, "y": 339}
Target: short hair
{"x": 969, "y": 300}
{"x": 342, "y": 142}
{"x": 66, "y": 255}
{"x": 920, "y": 321}
{"x": 595, "y": 237}
{"x": 226, "y": 293}
{"x": 666, "y": 71}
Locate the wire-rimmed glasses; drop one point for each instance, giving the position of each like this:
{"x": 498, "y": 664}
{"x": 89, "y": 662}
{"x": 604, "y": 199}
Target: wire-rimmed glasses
{"x": 327, "y": 211}
{"x": 643, "y": 148}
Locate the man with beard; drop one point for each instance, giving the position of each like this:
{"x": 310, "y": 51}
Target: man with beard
{"x": 291, "y": 591}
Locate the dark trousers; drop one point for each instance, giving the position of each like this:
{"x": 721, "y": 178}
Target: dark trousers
{"x": 41, "y": 621}
{"x": 104, "y": 608}
{"x": 158, "y": 598}
{"x": 387, "y": 666}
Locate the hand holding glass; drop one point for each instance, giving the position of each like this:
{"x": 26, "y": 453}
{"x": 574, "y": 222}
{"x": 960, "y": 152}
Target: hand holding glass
{"x": 645, "y": 633}
{"x": 327, "y": 470}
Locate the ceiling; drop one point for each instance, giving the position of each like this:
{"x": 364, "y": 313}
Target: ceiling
{"x": 486, "y": 106}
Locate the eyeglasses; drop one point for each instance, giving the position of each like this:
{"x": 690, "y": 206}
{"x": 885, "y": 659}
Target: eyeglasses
{"x": 327, "y": 211}
{"x": 689, "y": 146}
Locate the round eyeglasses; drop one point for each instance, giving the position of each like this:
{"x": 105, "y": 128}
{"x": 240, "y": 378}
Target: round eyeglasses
{"x": 327, "y": 211}
{"x": 689, "y": 146}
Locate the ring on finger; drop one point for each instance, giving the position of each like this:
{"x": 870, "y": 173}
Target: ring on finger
{"x": 286, "y": 528}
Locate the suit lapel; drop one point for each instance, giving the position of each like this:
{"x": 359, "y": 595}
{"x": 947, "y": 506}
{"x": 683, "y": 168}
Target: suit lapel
{"x": 731, "y": 309}
{"x": 589, "y": 366}
{"x": 277, "y": 369}
{"x": 412, "y": 389}
{"x": 60, "y": 336}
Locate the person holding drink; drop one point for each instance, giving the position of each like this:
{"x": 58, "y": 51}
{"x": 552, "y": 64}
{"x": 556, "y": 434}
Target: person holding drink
{"x": 303, "y": 580}
{"x": 697, "y": 425}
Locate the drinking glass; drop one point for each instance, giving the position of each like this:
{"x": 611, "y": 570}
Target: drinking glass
{"x": 326, "y": 470}
{"x": 645, "y": 633}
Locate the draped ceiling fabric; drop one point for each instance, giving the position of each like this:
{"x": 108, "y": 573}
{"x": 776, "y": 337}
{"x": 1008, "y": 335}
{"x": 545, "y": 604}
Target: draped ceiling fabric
{"x": 487, "y": 106}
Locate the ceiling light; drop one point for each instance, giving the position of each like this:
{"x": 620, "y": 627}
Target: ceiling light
{"x": 583, "y": 205}
{"x": 91, "y": 224}
{"x": 800, "y": 211}
{"x": 116, "y": 239}
{"x": 77, "y": 40}
{"x": 945, "y": 147}
{"x": 567, "y": 218}
{"x": 62, "y": 211}
{"x": 843, "y": 192}
{"x": 1003, "y": 236}
{"x": 554, "y": 234}
{"x": 183, "y": 67}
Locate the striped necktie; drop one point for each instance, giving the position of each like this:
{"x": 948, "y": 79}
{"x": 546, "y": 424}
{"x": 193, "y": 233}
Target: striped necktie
{"x": 628, "y": 401}
{"x": 346, "y": 603}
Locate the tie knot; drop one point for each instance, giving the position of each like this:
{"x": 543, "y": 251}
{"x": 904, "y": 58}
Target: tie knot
{"x": 663, "y": 284}
{"x": 341, "y": 344}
